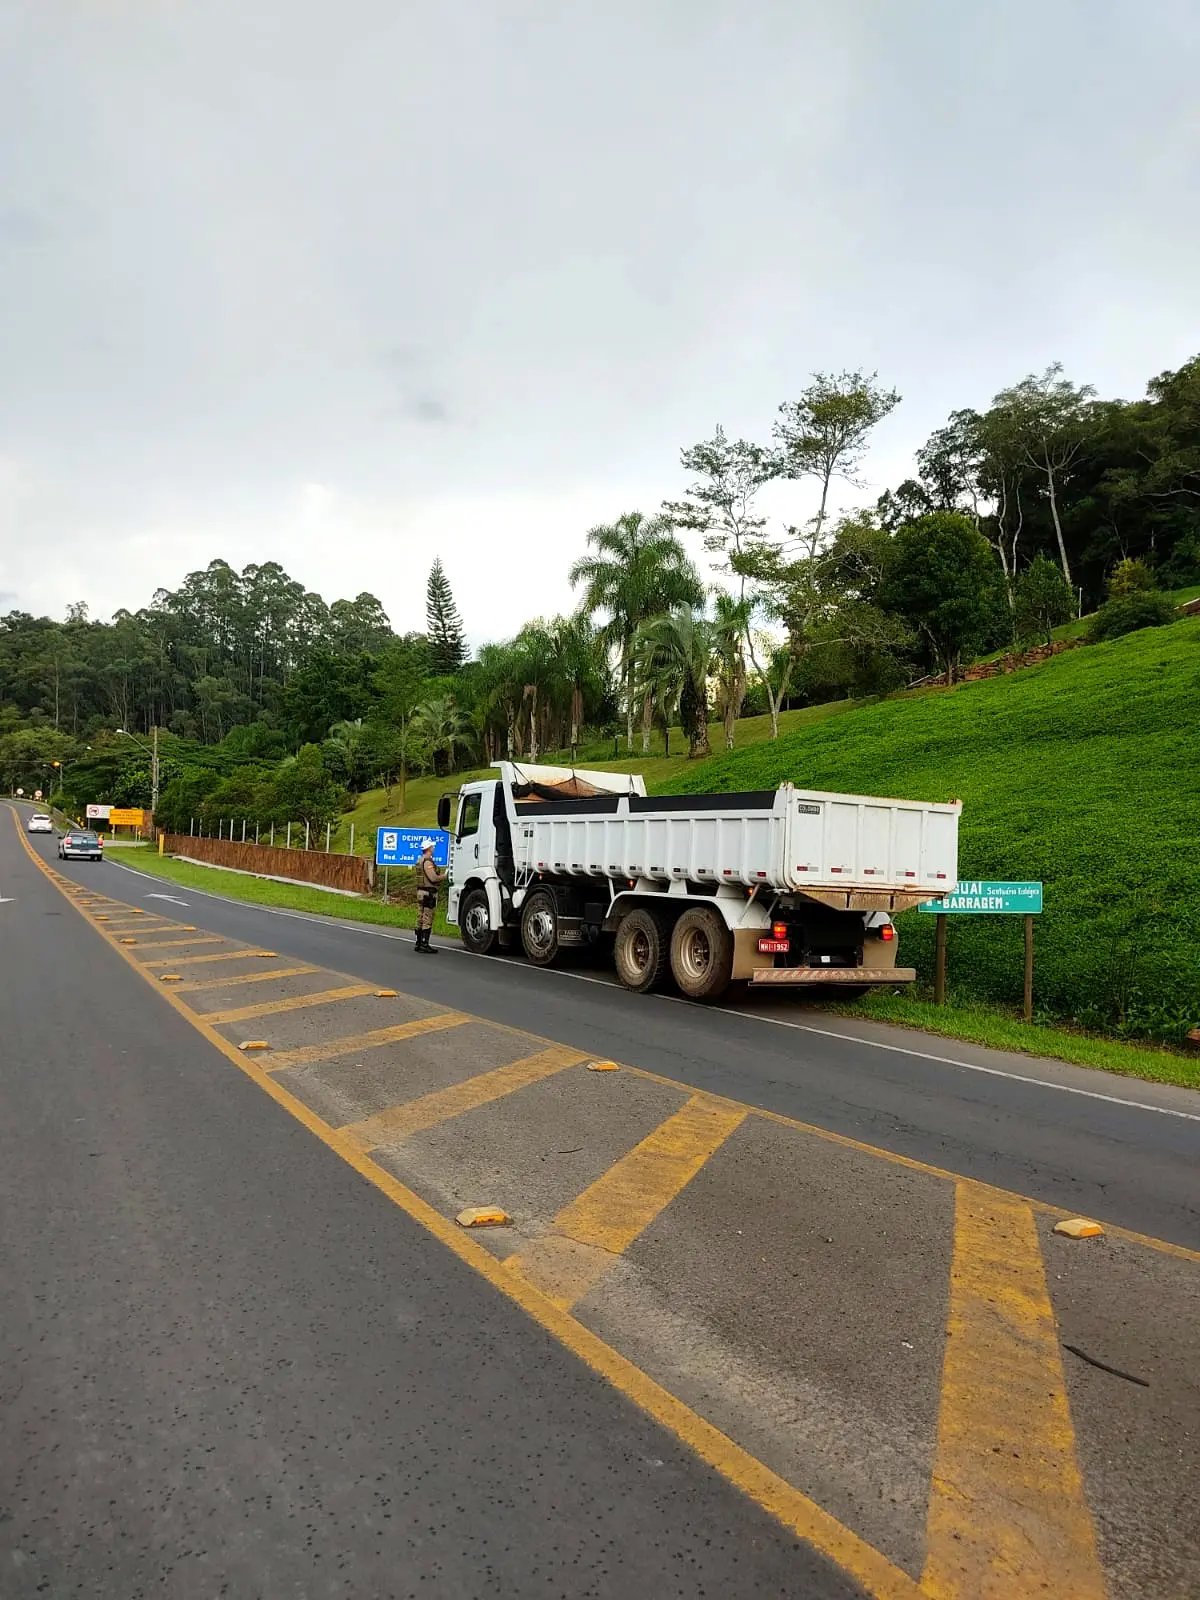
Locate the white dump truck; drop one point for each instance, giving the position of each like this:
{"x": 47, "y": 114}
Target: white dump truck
{"x": 786, "y": 886}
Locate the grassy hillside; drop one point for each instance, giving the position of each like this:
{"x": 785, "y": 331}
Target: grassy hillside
{"x": 1085, "y": 773}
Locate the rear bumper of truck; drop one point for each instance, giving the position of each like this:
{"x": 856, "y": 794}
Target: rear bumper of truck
{"x": 853, "y": 977}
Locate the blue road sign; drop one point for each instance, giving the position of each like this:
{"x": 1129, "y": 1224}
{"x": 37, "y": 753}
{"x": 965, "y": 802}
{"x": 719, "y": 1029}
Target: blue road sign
{"x": 401, "y": 847}
{"x": 979, "y": 897}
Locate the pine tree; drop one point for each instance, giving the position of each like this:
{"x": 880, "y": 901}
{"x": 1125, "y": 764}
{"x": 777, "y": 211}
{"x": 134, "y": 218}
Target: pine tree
{"x": 443, "y": 624}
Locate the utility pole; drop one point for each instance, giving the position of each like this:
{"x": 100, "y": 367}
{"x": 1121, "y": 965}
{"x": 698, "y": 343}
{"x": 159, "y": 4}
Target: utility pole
{"x": 154, "y": 772}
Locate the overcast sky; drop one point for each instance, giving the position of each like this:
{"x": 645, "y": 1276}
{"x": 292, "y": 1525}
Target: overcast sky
{"x": 349, "y": 285}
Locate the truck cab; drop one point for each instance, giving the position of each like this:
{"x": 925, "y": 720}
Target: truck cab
{"x": 481, "y": 860}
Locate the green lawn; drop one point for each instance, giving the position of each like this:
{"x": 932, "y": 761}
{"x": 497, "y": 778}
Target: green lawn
{"x": 1001, "y": 1029}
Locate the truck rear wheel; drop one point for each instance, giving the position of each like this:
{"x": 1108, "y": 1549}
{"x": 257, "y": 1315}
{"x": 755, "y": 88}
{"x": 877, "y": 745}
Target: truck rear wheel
{"x": 475, "y": 921}
{"x": 539, "y": 928}
{"x": 641, "y": 950}
{"x": 702, "y": 954}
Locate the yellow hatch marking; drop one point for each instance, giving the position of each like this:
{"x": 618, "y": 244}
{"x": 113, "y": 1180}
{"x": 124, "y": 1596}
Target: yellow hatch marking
{"x": 194, "y": 961}
{"x": 397, "y": 1122}
{"x": 590, "y": 1233}
{"x": 1007, "y": 1510}
{"x": 293, "y": 1002}
{"x": 306, "y": 1055}
{"x": 808, "y": 1521}
{"x": 245, "y": 977}
{"x": 178, "y": 944}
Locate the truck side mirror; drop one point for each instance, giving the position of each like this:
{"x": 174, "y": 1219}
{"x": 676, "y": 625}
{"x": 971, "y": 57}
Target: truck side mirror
{"x": 444, "y": 811}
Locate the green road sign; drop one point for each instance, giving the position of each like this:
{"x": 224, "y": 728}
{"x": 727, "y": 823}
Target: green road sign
{"x": 981, "y": 898}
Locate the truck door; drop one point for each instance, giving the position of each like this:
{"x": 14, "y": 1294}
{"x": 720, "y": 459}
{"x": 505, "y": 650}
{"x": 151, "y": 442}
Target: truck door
{"x": 472, "y": 847}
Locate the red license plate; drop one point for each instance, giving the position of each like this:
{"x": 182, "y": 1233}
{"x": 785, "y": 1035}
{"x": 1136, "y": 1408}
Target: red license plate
{"x": 774, "y": 947}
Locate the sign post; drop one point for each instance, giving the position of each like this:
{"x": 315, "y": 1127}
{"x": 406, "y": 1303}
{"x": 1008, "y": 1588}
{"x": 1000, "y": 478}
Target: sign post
{"x": 983, "y": 898}
{"x": 939, "y": 961}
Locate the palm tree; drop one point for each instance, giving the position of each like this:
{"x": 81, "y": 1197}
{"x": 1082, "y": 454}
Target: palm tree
{"x": 730, "y": 625}
{"x": 446, "y": 728}
{"x": 580, "y": 671}
{"x": 636, "y": 569}
{"x": 673, "y": 654}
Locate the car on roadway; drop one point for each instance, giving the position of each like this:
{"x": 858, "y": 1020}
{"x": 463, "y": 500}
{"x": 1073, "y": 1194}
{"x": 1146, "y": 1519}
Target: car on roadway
{"x": 80, "y": 844}
{"x": 39, "y": 822}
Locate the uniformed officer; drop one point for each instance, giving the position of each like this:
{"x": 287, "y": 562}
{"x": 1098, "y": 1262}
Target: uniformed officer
{"x": 429, "y": 879}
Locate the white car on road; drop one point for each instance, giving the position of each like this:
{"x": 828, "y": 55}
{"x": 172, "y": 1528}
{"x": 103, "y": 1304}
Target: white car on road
{"x": 39, "y": 823}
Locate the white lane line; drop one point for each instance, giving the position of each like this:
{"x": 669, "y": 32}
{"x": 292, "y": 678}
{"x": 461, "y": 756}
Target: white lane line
{"x": 728, "y": 1011}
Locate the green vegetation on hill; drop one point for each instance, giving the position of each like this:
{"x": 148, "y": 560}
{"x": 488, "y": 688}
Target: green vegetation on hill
{"x": 1083, "y": 772}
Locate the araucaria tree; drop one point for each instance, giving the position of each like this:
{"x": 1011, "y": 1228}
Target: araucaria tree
{"x": 443, "y": 624}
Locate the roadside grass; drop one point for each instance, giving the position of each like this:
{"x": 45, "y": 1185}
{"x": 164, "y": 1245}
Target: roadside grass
{"x": 288, "y": 896}
{"x": 977, "y": 1023}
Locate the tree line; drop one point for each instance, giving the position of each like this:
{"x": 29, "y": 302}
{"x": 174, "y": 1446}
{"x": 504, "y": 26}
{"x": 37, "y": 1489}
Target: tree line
{"x": 1048, "y": 503}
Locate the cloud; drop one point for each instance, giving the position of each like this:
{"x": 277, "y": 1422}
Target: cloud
{"x": 348, "y": 292}
{"x": 19, "y": 226}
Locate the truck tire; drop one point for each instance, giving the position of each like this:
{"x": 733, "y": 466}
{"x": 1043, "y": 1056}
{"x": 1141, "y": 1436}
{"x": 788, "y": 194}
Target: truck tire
{"x": 539, "y": 928}
{"x": 641, "y": 950}
{"x": 475, "y": 922}
{"x": 701, "y": 954}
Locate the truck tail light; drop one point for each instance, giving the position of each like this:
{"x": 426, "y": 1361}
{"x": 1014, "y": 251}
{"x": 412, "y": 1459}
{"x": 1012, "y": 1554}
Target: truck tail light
{"x": 779, "y": 930}
{"x": 887, "y": 931}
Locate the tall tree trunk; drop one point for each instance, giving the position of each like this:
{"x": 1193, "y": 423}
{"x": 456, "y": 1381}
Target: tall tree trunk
{"x": 1062, "y": 546}
{"x": 576, "y": 716}
{"x": 627, "y": 674}
{"x": 647, "y": 721}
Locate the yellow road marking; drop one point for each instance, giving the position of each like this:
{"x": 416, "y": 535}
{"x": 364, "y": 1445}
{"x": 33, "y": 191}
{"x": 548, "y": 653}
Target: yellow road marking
{"x": 794, "y": 1510}
{"x": 895, "y": 1159}
{"x": 1007, "y": 1512}
{"x": 807, "y": 1520}
{"x": 590, "y": 1234}
{"x": 192, "y": 961}
{"x": 178, "y": 944}
{"x": 245, "y": 977}
{"x": 350, "y": 1043}
{"x": 292, "y": 1002}
{"x": 412, "y": 1116}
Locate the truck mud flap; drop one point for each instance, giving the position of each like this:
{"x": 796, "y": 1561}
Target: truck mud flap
{"x": 814, "y": 976}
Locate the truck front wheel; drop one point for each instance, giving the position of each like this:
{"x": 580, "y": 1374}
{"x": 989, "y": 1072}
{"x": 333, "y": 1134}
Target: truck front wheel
{"x": 539, "y": 928}
{"x": 475, "y": 920}
{"x": 641, "y": 950}
{"x": 702, "y": 954}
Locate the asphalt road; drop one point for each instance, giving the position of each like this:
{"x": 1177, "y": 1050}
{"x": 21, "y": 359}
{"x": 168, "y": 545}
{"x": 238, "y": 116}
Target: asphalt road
{"x": 236, "y": 1367}
{"x": 228, "y": 1366}
{"x": 1066, "y": 1135}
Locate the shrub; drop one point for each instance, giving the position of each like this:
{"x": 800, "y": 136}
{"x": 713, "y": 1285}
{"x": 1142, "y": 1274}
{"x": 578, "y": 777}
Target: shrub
{"x": 1129, "y": 576}
{"x": 1139, "y": 608}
